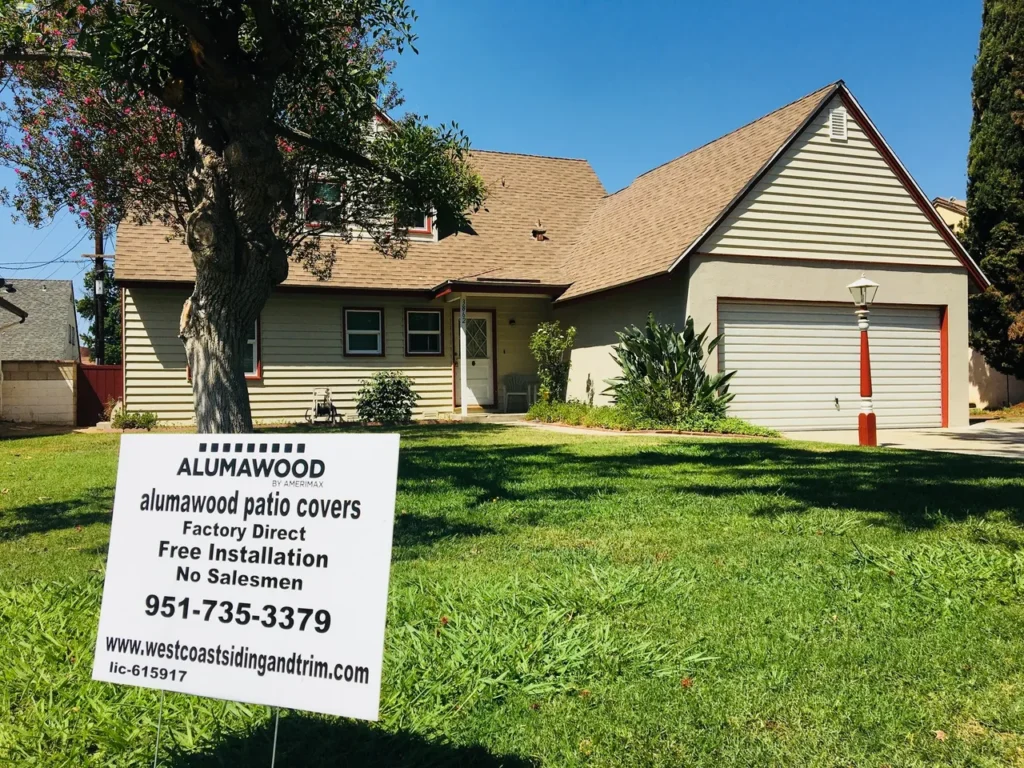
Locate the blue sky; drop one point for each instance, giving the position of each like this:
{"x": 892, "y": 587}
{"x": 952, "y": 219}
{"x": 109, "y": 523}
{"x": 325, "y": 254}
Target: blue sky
{"x": 630, "y": 85}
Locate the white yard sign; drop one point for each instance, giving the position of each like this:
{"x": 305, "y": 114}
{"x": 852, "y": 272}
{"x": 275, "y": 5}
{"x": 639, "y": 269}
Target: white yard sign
{"x": 251, "y": 567}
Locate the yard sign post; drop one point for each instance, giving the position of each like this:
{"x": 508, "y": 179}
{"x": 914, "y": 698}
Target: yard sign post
{"x": 252, "y": 568}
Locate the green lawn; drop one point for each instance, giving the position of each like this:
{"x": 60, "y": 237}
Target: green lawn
{"x": 560, "y": 600}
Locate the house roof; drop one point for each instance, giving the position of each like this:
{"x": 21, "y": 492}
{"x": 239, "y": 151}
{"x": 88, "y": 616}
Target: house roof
{"x": 523, "y": 190}
{"x": 595, "y": 241}
{"x": 44, "y": 334}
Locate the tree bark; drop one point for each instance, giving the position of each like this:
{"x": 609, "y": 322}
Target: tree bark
{"x": 241, "y": 189}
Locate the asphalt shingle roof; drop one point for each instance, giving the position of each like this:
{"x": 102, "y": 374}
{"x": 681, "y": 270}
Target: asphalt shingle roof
{"x": 44, "y": 334}
{"x": 595, "y": 241}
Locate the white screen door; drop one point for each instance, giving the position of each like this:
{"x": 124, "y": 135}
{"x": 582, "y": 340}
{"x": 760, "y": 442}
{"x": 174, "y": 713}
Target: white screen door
{"x": 480, "y": 360}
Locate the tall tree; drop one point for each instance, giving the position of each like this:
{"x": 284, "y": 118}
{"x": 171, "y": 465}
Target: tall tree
{"x": 995, "y": 186}
{"x": 275, "y": 103}
{"x": 111, "y": 318}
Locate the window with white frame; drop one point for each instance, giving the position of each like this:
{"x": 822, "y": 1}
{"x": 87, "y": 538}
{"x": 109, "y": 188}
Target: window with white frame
{"x": 251, "y": 352}
{"x": 364, "y": 332}
{"x": 423, "y": 332}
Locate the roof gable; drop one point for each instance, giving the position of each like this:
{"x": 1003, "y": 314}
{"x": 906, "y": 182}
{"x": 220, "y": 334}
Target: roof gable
{"x": 642, "y": 230}
{"x": 830, "y": 198}
{"x": 648, "y": 228}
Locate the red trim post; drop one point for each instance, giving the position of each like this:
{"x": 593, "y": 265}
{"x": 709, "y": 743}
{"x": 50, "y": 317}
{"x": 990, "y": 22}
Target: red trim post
{"x": 944, "y": 362}
{"x": 867, "y": 430}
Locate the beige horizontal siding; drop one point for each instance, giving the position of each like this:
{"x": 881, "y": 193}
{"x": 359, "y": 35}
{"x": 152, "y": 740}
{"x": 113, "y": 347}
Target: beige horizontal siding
{"x": 302, "y": 348}
{"x": 832, "y": 200}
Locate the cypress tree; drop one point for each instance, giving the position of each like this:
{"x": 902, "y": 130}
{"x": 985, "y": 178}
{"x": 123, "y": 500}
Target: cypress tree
{"x": 995, "y": 186}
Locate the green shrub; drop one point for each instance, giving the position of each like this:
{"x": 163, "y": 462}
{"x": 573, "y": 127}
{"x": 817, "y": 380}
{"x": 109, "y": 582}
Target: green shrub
{"x": 579, "y": 414}
{"x": 386, "y": 398}
{"x": 123, "y": 419}
{"x": 563, "y": 413}
{"x": 663, "y": 378}
{"x": 549, "y": 345}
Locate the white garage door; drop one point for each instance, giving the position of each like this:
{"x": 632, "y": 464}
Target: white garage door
{"x": 798, "y": 365}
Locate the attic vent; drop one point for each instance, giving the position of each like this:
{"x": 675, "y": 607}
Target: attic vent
{"x": 837, "y": 124}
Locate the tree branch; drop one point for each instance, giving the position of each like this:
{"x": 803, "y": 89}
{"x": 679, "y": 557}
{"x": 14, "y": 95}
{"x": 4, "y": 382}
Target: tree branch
{"x": 278, "y": 53}
{"x": 335, "y": 150}
{"x": 198, "y": 27}
{"x": 25, "y": 57}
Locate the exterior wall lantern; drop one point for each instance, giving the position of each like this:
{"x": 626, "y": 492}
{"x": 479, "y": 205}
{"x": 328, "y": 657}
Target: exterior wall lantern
{"x": 863, "y": 291}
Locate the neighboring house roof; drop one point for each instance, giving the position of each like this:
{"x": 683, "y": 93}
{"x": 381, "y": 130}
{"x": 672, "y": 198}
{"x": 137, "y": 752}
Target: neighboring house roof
{"x": 595, "y": 241}
{"x": 960, "y": 206}
{"x": 45, "y": 334}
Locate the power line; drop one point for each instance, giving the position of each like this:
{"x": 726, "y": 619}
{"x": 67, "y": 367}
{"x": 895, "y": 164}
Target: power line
{"x": 49, "y": 231}
{"x": 20, "y": 266}
{"x": 58, "y": 259}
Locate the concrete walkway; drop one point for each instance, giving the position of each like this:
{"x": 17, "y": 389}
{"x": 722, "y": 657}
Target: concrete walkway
{"x": 987, "y": 438}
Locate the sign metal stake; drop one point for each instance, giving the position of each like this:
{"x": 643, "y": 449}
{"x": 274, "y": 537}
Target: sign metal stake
{"x": 273, "y": 750}
{"x": 159, "y": 721}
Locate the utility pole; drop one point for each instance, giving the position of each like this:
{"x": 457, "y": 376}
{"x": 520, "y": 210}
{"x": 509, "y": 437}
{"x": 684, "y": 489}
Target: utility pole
{"x": 101, "y": 292}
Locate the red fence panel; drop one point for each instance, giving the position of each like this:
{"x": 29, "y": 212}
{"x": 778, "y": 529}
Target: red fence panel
{"x": 97, "y": 384}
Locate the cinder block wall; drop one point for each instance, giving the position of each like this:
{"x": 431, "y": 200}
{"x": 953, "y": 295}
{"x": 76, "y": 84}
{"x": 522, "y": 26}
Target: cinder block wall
{"x": 42, "y": 392}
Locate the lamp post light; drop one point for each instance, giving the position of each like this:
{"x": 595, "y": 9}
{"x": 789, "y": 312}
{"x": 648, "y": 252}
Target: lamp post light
{"x": 864, "y": 291}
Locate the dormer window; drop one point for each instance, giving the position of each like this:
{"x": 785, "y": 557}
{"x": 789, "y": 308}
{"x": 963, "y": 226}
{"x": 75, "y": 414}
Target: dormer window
{"x": 419, "y": 224}
{"x": 325, "y": 207}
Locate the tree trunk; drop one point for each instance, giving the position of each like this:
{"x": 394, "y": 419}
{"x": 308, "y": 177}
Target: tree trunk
{"x": 221, "y": 396}
{"x": 239, "y": 189}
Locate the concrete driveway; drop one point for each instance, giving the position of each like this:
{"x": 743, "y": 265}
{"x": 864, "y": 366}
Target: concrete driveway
{"x": 986, "y": 438}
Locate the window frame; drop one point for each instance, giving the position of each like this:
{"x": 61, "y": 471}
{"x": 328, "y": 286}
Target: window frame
{"x": 427, "y": 229}
{"x": 310, "y": 224}
{"x": 439, "y": 331}
{"x": 257, "y": 344}
{"x": 345, "y": 331}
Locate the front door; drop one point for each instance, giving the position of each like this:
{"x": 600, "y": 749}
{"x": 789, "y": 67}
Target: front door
{"x": 479, "y": 359}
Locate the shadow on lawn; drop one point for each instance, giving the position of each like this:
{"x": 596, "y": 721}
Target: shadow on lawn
{"x": 311, "y": 741}
{"x": 93, "y": 506}
{"x": 910, "y": 489}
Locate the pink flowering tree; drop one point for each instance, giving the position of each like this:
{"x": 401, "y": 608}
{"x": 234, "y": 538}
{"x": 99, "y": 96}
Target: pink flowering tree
{"x": 229, "y": 120}
{"x": 74, "y": 144}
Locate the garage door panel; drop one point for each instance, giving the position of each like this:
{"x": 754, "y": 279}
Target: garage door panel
{"x": 794, "y": 360}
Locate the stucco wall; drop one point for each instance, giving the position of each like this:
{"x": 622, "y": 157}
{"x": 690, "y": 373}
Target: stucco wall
{"x": 301, "y": 348}
{"x": 599, "y": 317}
{"x": 713, "y": 278}
{"x": 39, "y": 392}
{"x": 991, "y": 389}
